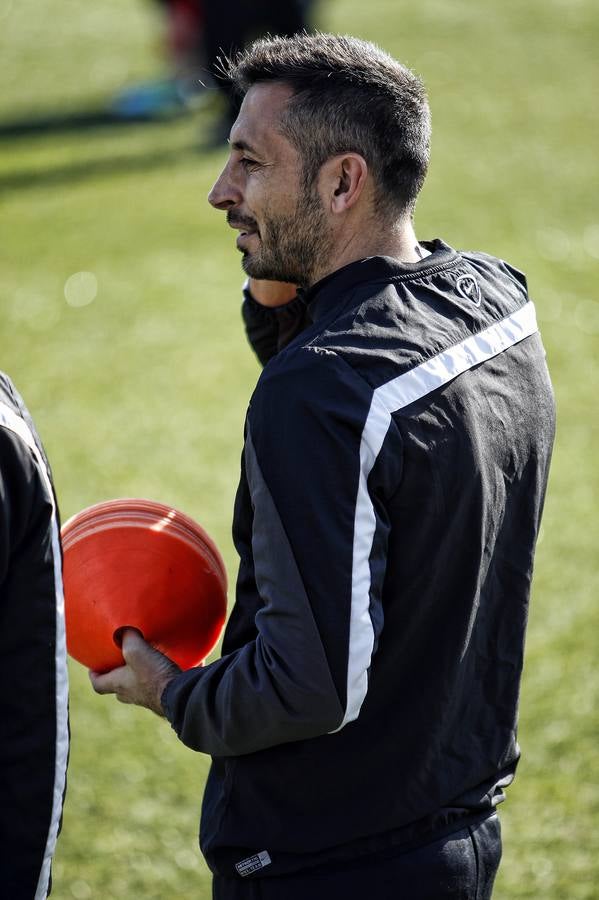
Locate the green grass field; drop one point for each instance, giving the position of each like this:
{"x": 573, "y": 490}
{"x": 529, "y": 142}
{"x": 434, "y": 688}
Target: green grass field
{"x": 142, "y": 392}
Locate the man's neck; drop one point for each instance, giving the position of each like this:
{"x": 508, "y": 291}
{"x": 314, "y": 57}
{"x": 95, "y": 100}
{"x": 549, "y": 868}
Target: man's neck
{"x": 399, "y": 243}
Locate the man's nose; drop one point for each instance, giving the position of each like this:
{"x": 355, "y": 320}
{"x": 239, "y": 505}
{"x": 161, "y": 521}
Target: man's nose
{"x": 224, "y": 194}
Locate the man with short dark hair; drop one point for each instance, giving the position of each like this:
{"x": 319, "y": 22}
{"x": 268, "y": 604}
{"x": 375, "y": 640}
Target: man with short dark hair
{"x": 362, "y": 718}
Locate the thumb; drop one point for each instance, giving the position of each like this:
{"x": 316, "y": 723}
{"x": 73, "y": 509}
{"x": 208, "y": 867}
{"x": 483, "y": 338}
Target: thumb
{"x": 142, "y": 656}
{"x": 129, "y": 639}
{"x": 134, "y": 646}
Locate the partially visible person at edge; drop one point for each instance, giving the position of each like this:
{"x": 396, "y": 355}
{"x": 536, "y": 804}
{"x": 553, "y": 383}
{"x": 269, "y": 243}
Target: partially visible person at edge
{"x": 197, "y": 34}
{"x": 362, "y": 718}
{"x": 34, "y": 745}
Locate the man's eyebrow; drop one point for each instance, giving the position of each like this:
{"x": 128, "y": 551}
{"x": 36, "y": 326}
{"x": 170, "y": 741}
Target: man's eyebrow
{"x": 242, "y": 145}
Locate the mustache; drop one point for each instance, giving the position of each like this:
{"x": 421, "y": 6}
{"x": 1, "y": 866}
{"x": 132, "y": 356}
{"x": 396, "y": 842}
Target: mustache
{"x": 237, "y": 221}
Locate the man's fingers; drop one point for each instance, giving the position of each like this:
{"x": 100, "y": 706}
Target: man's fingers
{"x": 143, "y": 679}
{"x": 108, "y": 682}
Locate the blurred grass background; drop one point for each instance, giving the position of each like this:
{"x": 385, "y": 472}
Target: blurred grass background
{"x": 142, "y": 391}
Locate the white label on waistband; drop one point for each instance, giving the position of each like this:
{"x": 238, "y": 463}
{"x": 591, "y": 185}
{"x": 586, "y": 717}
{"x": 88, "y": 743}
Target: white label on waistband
{"x": 253, "y": 863}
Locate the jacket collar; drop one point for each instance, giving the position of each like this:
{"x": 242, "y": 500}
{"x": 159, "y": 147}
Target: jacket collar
{"x": 332, "y": 289}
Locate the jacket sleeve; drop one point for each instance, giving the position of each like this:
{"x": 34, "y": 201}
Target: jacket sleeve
{"x": 33, "y": 674}
{"x": 319, "y": 561}
{"x": 269, "y": 329}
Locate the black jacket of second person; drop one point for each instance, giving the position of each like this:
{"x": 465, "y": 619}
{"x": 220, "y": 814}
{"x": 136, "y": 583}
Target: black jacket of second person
{"x": 34, "y": 738}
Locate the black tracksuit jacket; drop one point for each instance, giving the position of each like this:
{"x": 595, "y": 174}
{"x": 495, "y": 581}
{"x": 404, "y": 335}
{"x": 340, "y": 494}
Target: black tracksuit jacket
{"x": 395, "y": 463}
{"x": 34, "y": 740}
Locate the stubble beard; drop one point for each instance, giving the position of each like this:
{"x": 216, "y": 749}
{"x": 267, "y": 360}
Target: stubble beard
{"x": 295, "y": 247}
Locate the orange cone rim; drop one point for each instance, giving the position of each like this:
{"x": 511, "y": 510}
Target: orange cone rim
{"x": 138, "y": 513}
{"x": 135, "y": 562}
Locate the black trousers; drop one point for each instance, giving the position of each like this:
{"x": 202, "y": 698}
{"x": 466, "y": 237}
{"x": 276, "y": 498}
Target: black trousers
{"x": 460, "y": 866}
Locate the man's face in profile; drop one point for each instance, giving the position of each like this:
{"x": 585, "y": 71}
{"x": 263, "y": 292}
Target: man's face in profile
{"x": 284, "y": 232}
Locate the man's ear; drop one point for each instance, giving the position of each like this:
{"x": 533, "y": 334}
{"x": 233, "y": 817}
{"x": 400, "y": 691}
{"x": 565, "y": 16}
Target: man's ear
{"x": 343, "y": 177}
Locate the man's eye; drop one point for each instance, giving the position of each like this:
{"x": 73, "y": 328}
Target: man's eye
{"x": 247, "y": 163}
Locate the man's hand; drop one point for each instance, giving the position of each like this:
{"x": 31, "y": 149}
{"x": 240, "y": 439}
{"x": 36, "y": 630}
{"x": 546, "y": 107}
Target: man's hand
{"x": 272, "y": 293}
{"x": 144, "y": 677}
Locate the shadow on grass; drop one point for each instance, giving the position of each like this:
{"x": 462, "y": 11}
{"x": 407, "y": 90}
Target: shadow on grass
{"x": 44, "y": 124}
{"x": 86, "y": 123}
{"x": 90, "y": 169}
